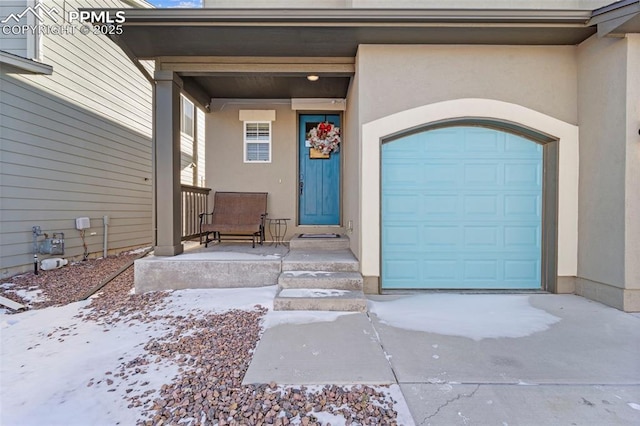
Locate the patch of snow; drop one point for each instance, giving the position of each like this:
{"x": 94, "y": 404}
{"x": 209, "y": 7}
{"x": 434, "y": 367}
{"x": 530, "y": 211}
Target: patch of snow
{"x": 476, "y": 316}
{"x": 67, "y": 358}
{"x": 63, "y": 370}
{"x": 221, "y": 299}
{"x": 634, "y": 405}
{"x": 218, "y": 256}
{"x": 138, "y": 250}
{"x": 329, "y": 418}
{"x": 6, "y": 285}
{"x": 312, "y": 292}
{"x": 275, "y": 318}
{"x": 32, "y": 295}
{"x": 307, "y": 273}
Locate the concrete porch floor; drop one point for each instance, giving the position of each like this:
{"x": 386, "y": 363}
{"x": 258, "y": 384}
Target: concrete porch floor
{"x": 232, "y": 250}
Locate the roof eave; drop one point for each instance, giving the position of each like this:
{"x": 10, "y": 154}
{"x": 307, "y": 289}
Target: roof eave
{"x": 617, "y": 19}
{"x": 353, "y": 16}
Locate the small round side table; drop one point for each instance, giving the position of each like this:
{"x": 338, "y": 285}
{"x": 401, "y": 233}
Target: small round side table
{"x": 278, "y": 229}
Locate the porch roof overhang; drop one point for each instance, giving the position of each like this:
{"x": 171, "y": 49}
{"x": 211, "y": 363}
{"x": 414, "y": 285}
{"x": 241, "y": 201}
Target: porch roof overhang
{"x": 617, "y": 19}
{"x": 266, "y": 53}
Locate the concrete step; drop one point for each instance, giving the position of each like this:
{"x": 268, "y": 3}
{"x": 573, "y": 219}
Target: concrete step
{"x": 319, "y": 299}
{"x": 199, "y": 271}
{"x": 317, "y": 243}
{"x": 321, "y": 279}
{"x": 320, "y": 260}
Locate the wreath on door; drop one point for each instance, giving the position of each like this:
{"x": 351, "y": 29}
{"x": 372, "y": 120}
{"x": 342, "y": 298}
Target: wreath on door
{"x": 325, "y": 138}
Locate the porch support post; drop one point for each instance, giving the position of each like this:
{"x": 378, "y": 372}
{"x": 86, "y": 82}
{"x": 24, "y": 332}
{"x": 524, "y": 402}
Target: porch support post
{"x": 166, "y": 120}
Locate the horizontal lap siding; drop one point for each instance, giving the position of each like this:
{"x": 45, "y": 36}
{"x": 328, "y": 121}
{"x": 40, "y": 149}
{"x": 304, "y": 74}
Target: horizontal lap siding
{"x": 15, "y": 44}
{"x": 76, "y": 143}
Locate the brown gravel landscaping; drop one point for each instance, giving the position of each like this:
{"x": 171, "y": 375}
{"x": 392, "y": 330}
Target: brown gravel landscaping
{"x": 67, "y": 284}
{"x": 210, "y": 351}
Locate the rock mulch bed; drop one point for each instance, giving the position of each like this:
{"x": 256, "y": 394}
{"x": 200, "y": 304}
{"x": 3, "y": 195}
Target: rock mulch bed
{"x": 211, "y": 351}
{"x": 65, "y": 285}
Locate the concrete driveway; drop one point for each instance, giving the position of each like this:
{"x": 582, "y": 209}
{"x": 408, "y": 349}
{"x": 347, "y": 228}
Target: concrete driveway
{"x": 469, "y": 359}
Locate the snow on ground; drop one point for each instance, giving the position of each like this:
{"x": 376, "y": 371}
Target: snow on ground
{"x": 308, "y": 273}
{"x": 475, "y": 316}
{"x": 48, "y": 358}
{"x": 60, "y": 369}
{"x": 275, "y": 318}
{"x": 53, "y": 363}
{"x": 32, "y": 295}
{"x": 312, "y": 292}
{"x": 221, "y": 299}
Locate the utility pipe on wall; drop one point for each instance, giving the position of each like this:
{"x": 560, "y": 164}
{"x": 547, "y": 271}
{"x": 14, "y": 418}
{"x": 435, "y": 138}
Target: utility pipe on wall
{"x": 105, "y": 221}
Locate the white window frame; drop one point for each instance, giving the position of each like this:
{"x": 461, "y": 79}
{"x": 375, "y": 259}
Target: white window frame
{"x": 34, "y": 39}
{"x": 185, "y": 101}
{"x": 248, "y": 141}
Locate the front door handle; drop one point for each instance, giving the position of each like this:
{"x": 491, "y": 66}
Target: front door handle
{"x": 301, "y": 186}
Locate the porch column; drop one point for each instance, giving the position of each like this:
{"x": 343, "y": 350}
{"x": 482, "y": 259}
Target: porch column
{"x": 166, "y": 121}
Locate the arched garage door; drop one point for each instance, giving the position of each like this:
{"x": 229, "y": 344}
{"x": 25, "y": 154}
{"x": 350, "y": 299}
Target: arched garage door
{"x": 461, "y": 209}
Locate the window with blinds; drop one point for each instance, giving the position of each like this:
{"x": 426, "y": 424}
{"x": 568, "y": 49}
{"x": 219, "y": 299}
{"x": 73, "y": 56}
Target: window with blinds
{"x": 257, "y": 141}
{"x": 186, "y": 118}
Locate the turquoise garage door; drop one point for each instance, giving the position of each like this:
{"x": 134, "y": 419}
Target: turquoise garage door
{"x": 461, "y": 209}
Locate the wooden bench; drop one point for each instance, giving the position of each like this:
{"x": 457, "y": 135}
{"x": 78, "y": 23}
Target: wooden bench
{"x": 235, "y": 214}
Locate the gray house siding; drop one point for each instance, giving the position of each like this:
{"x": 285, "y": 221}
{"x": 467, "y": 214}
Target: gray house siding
{"x": 13, "y": 43}
{"x": 73, "y": 144}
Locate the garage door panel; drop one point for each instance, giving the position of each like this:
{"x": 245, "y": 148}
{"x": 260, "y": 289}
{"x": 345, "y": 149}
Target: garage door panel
{"x": 480, "y": 270}
{"x": 522, "y": 237}
{"x": 441, "y": 269}
{"x": 400, "y": 173}
{"x": 440, "y": 236}
{"x": 518, "y": 144}
{"x": 487, "y": 174}
{"x": 482, "y": 141}
{"x": 401, "y": 204}
{"x": 524, "y": 270}
{"x": 470, "y": 216}
{"x": 481, "y": 205}
{"x": 402, "y": 269}
{"x": 400, "y": 236}
{"x": 522, "y": 206}
{"x": 445, "y": 141}
{"x": 439, "y": 205}
{"x": 440, "y": 174}
{"x": 482, "y": 236}
{"x": 523, "y": 174}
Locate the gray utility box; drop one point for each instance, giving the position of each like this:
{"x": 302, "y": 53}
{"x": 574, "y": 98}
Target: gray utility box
{"x": 53, "y": 245}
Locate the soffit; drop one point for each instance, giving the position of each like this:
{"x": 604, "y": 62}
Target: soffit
{"x": 154, "y": 33}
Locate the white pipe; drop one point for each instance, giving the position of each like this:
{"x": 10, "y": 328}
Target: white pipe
{"x": 105, "y": 221}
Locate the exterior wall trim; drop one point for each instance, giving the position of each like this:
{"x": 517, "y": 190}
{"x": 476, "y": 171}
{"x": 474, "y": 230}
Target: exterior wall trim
{"x": 23, "y": 65}
{"x": 374, "y": 132}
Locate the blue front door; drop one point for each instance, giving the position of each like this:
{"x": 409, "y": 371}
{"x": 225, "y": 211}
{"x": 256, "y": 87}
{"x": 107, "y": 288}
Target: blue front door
{"x": 461, "y": 208}
{"x": 319, "y": 179}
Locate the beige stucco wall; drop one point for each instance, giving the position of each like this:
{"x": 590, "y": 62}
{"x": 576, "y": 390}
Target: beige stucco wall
{"x": 226, "y": 170}
{"x": 609, "y": 245}
{"x": 351, "y": 176}
{"x": 602, "y": 103}
{"x": 632, "y": 177}
{"x": 397, "y": 78}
